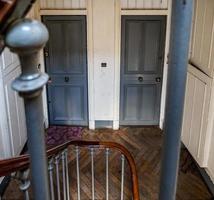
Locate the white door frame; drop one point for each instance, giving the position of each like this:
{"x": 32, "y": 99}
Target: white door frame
{"x": 42, "y": 59}
{"x": 166, "y": 13}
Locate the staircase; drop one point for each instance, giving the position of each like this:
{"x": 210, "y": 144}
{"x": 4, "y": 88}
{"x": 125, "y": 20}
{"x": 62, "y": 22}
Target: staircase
{"x": 68, "y": 178}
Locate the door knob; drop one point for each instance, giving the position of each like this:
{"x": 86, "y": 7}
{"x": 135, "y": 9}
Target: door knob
{"x": 66, "y": 79}
{"x": 140, "y": 79}
{"x": 158, "y": 79}
{"x": 49, "y": 80}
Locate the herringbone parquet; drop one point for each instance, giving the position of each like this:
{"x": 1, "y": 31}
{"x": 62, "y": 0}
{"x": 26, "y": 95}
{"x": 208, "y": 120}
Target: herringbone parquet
{"x": 145, "y": 144}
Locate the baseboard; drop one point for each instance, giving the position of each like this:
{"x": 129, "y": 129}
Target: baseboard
{"x": 206, "y": 179}
{"x": 103, "y": 124}
{"x": 3, "y": 185}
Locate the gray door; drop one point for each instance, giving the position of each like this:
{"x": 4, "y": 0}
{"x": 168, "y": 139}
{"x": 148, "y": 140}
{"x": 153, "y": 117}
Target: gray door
{"x": 66, "y": 63}
{"x": 143, "y": 39}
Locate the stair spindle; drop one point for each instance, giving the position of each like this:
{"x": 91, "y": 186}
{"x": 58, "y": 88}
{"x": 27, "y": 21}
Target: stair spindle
{"x": 122, "y": 176}
{"x": 92, "y": 172}
{"x": 78, "y": 173}
{"x": 50, "y": 170}
{"x": 67, "y": 175}
{"x": 63, "y": 175}
{"x": 107, "y": 173}
{"x": 57, "y": 158}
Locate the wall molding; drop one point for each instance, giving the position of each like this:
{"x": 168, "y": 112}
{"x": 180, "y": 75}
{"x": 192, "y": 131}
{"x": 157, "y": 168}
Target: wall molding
{"x": 63, "y": 12}
{"x": 144, "y": 12}
{"x": 165, "y": 67}
{"x": 90, "y": 65}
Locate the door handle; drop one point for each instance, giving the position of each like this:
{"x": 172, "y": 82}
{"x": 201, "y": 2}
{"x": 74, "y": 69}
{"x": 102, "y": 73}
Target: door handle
{"x": 140, "y": 79}
{"x": 158, "y": 79}
{"x": 66, "y": 79}
{"x": 49, "y": 80}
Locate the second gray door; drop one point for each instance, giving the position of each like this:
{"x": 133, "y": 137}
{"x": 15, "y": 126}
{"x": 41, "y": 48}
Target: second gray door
{"x": 143, "y": 39}
{"x": 66, "y": 63}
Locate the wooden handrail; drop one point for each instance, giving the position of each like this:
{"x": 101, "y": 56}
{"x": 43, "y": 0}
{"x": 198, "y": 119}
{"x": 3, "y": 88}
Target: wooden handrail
{"x": 10, "y": 165}
{"x": 5, "y": 8}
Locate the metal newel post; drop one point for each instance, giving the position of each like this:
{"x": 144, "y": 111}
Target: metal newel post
{"x": 178, "y": 61}
{"x": 26, "y": 38}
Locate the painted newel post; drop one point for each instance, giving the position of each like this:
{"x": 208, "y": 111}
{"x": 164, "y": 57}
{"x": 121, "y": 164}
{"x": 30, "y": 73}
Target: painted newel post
{"x": 26, "y": 38}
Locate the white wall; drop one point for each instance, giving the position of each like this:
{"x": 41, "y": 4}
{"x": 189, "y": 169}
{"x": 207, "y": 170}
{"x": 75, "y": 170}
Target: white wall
{"x": 104, "y": 46}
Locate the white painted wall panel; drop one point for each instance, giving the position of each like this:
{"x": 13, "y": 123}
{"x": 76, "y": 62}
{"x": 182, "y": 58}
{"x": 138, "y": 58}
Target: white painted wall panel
{"x": 139, "y": 4}
{"x": 124, "y": 4}
{"x": 144, "y": 4}
{"x": 4, "y": 129}
{"x": 196, "y": 112}
{"x": 12, "y": 118}
{"x": 63, "y": 4}
{"x": 9, "y": 62}
{"x": 210, "y": 167}
{"x": 202, "y": 50}
{"x": 15, "y": 114}
{"x": 103, "y": 52}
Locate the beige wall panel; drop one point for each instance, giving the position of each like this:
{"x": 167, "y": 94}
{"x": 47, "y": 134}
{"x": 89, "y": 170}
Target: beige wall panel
{"x": 190, "y": 90}
{"x": 139, "y": 3}
{"x": 156, "y": 3}
{"x": 203, "y": 36}
{"x": 131, "y": 4}
{"x": 76, "y": 4}
{"x": 165, "y": 4}
{"x": 59, "y": 4}
{"x": 207, "y": 34}
{"x": 50, "y": 4}
{"x": 68, "y": 3}
{"x": 104, "y": 52}
{"x": 196, "y": 111}
{"x": 124, "y": 3}
{"x": 147, "y": 4}
{"x": 12, "y": 118}
{"x": 144, "y": 4}
{"x": 63, "y": 4}
{"x": 82, "y": 4}
{"x": 15, "y": 114}
{"x": 210, "y": 167}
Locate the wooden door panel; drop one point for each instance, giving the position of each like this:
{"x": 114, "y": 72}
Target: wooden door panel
{"x": 66, "y": 64}
{"x": 67, "y": 103}
{"x": 67, "y": 50}
{"x": 142, "y": 44}
{"x": 141, "y": 69}
{"x": 140, "y": 104}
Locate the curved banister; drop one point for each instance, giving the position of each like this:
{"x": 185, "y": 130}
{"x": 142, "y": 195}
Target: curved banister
{"x": 10, "y": 165}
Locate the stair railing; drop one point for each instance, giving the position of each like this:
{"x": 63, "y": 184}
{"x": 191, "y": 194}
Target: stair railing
{"x": 58, "y": 160}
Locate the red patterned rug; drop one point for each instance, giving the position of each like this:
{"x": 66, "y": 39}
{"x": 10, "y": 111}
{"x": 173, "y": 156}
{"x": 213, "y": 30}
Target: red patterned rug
{"x": 56, "y": 135}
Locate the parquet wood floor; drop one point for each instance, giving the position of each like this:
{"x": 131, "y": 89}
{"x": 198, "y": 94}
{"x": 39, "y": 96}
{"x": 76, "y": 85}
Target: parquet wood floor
{"x": 145, "y": 144}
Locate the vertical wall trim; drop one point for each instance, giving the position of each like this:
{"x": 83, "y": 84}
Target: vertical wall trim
{"x": 117, "y": 64}
{"x": 90, "y": 53}
{"x": 210, "y": 128}
{"x": 3, "y": 125}
{"x": 165, "y": 68}
{"x": 44, "y": 92}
